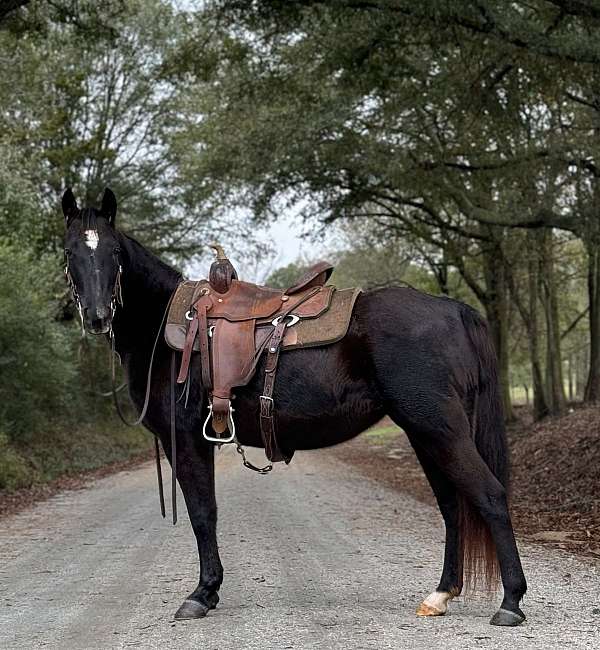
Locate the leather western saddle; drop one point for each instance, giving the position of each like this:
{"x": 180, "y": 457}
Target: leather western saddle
{"x": 232, "y": 323}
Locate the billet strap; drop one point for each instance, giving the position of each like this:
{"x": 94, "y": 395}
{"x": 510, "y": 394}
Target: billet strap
{"x": 267, "y": 406}
{"x": 198, "y": 327}
{"x": 267, "y": 425}
{"x": 202, "y": 306}
{"x": 173, "y": 441}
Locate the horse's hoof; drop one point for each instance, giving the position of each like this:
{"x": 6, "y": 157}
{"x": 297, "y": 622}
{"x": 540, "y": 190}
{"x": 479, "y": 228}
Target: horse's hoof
{"x": 507, "y": 618}
{"x": 428, "y": 610}
{"x": 191, "y": 609}
{"x": 436, "y": 604}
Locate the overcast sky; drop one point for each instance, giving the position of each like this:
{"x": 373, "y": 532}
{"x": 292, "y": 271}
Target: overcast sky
{"x": 286, "y": 237}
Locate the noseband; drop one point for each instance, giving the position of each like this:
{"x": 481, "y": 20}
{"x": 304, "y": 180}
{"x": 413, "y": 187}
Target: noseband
{"x": 116, "y": 295}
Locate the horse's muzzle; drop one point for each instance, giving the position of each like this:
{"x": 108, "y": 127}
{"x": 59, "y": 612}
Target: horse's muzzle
{"x": 98, "y": 325}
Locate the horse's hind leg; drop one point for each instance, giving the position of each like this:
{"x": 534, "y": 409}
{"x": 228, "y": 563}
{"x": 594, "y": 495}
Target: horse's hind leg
{"x": 458, "y": 458}
{"x": 451, "y": 582}
{"x": 444, "y": 436}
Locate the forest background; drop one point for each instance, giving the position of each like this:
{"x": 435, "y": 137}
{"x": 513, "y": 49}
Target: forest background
{"x": 449, "y": 145}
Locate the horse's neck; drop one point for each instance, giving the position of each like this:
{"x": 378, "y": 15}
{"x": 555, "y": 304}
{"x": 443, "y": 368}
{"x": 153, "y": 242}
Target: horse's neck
{"x": 146, "y": 285}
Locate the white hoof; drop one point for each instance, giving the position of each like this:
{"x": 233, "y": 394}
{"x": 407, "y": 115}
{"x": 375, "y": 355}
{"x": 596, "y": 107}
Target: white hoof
{"x": 436, "y": 604}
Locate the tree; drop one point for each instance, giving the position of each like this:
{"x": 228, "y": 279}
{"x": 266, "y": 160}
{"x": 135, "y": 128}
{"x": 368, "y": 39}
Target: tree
{"x": 453, "y": 121}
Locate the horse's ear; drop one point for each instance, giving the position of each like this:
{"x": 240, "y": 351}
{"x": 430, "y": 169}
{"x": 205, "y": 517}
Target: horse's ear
{"x": 69, "y": 205}
{"x": 109, "y": 206}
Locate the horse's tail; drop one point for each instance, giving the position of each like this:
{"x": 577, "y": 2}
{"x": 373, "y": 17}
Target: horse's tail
{"x": 480, "y": 563}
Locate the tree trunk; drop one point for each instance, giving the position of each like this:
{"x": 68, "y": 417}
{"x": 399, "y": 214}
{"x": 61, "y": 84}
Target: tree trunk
{"x": 540, "y": 404}
{"x": 554, "y": 372}
{"x": 497, "y": 314}
{"x": 592, "y": 387}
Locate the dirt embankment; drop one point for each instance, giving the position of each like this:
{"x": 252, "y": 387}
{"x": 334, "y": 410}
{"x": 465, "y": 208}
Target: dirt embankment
{"x": 555, "y": 475}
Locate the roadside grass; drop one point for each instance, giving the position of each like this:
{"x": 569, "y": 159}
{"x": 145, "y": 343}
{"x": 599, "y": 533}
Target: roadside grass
{"x": 382, "y": 434}
{"x": 42, "y": 457}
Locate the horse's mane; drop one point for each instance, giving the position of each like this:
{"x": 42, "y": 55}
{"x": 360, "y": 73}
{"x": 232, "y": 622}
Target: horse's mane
{"x": 137, "y": 252}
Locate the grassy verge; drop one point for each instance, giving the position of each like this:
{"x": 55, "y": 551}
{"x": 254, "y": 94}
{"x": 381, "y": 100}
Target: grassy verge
{"x": 43, "y": 457}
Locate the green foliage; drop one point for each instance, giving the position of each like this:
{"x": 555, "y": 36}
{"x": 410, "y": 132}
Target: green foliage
{"x": 15, "y": 471}
{"x": 286, "y": 276}
{"x": 52, "y": 419}
{"x": 87, "y": 102}
{"x": 36, "y": 368}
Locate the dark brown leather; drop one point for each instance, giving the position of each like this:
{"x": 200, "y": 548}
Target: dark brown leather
{"x": 267, "y": 405}
{"x": 316, "y": 275}
{"x": 245, "y": 300}
{"x": 221, "y": 275}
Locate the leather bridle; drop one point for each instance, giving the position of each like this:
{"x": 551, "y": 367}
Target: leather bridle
{"x": 116, "y": 294}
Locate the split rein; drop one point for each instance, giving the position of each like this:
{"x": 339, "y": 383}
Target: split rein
{"x": 117, "y": 299}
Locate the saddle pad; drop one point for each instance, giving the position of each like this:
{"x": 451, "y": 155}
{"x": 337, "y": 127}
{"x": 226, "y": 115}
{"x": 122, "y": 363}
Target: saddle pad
{"x": 322, "y": 328}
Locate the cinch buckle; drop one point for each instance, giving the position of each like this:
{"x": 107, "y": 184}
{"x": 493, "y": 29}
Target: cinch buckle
{"x": 230, "y": 426}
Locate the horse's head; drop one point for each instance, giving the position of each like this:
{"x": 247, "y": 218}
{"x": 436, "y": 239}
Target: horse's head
{"x": 93, "y": 260}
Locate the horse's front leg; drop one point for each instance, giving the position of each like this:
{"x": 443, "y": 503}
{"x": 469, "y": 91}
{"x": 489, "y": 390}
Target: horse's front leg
{"x": 196, "y": 476}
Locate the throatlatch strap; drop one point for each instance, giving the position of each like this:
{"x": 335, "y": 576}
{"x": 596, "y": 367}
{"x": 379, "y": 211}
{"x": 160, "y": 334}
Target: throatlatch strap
{"x": 173, "y": 442}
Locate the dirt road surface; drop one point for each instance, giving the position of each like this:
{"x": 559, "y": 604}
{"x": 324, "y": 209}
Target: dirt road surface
{"x": 315, "y": 557}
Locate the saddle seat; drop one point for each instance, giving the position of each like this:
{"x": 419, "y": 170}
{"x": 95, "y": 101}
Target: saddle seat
{"x": 231, "y": 323}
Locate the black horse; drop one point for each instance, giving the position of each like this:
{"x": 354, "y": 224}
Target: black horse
{"x": 425, "y": 361}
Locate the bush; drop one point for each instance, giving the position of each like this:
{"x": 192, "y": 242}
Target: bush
{"x": 15, "y": 472}
{"x": 52, "y": 418}
{"x": 37, "y": 371}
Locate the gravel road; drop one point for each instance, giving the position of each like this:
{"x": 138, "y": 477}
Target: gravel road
{"x": 314, "y": 556}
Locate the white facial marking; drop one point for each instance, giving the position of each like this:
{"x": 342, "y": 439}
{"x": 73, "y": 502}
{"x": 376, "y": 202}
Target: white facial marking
{"x": 91, "y": 239}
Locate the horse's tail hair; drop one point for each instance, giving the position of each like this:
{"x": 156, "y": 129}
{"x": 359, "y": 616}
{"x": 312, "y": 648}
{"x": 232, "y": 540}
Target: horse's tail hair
{"x": 480, "y": 563}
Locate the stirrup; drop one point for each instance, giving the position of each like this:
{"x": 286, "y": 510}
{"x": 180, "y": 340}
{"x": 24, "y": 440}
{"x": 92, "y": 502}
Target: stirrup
{"x": 230, "y": 426}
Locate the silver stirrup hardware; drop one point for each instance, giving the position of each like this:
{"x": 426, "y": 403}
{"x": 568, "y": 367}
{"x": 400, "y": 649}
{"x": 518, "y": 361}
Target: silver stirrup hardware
{"x": 230, "y": 426}
{"x": 293, "y": 320}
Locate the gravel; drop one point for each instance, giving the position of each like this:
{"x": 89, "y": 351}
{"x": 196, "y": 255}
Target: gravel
{"x": 315, "y": 556}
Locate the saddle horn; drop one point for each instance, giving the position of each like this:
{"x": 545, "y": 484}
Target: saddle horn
{"x": 222, "y": 271}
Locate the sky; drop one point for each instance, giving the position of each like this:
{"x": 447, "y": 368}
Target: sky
{"x": 288, "y": 236}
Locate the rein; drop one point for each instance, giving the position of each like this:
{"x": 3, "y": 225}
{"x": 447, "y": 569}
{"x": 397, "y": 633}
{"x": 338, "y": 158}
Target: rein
{"x": 142, "y": 415}
{"x": 117, "y": 299}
